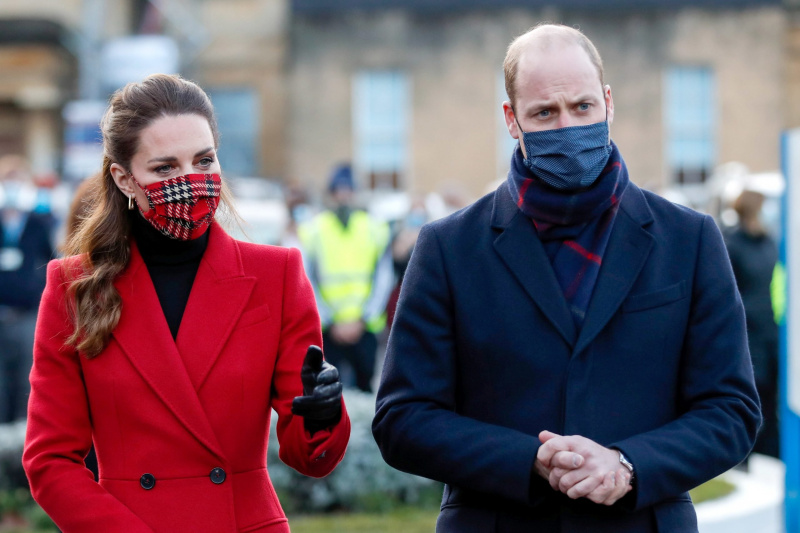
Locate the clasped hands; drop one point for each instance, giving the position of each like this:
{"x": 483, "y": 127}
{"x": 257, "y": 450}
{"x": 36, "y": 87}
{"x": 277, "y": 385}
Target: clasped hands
{"x": 582, "y": 468}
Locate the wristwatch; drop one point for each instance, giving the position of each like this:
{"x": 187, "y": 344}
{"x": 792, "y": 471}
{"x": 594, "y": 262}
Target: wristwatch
{"x": 627, "y": 464}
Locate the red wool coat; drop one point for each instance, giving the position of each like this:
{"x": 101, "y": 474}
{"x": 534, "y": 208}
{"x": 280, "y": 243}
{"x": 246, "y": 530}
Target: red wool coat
{"x": 193, "y": 414}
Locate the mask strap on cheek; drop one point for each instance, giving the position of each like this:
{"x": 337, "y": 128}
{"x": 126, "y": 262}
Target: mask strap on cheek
{"x": 136, "y": 181}
{"x": 144, "y": 191}
{"x": 608, "y": 126}
{"x": 517, "y": 120}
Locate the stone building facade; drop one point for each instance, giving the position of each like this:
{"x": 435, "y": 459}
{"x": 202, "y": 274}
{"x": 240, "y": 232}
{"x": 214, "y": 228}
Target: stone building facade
{"x": 411, "y": 90}
{"x": 452, "y": 60}
{"x": 236, "y": 49}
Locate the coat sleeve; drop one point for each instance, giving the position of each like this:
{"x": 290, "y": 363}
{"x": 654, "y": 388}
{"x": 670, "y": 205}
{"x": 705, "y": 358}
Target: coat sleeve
{"x": 416, "y": 424}
{"x": 717, "y": 396}
{"x": 59, "y": 430}
{"x": 319, "y": 454}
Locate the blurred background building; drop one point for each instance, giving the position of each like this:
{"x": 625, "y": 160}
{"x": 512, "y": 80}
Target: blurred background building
{"x": 58, "y": 58}
{"x": 408, "y": 90}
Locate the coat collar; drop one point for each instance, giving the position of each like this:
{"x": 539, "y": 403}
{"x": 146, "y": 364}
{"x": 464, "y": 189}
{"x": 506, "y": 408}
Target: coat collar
{"x": 218, "y": 297}
{"x": 628, "y": 247}
{"x": 522, "y": 251}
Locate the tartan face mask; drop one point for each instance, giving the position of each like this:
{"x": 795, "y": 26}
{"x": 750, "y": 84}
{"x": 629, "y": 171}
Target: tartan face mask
{"x": 182, "y": 207}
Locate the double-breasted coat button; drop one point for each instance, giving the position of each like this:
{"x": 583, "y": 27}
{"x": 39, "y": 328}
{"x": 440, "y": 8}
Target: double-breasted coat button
{"x": 147, "y": 481}
{"x": 217, "y": 475}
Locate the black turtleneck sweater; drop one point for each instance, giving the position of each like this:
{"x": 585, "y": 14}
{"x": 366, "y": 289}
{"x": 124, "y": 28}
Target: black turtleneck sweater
{"x": 172, "y": 265}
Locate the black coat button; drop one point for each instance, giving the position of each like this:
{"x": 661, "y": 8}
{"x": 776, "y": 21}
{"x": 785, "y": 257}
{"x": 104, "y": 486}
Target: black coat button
{"x": 147, "y": 481}
{"x": 217, "y": 475}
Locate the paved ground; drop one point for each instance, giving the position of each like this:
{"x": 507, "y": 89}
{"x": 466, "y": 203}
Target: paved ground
{"x": 756, "y": 506}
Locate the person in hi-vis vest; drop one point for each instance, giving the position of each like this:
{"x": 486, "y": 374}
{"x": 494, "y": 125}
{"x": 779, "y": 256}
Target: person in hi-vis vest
{"x": 349, "y": 264}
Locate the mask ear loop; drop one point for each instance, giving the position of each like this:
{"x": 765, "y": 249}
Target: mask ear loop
{"x": 520, "y": 125}
{"x": 146, "y": 194}
{"x": 521, "y": 137}
{"x": 608, "y": 126}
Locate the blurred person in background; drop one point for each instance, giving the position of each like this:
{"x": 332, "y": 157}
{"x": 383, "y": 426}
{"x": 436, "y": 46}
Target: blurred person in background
{"x": 26, "y": 245}
{"x": 168, "y": 344}
{"x": 754, "y": 256}
{"x": 406, "y": 233}
{"x": 300, "y": 212}
{"x": 569, "y": 353}
{"x": 349, "y": 263}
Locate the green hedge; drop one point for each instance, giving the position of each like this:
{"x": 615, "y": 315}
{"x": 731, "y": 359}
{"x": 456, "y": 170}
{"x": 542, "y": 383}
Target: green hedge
{"x": 361, "y": 482}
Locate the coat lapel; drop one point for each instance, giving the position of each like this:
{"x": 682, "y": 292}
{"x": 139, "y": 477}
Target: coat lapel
{"x": 144, "y": 337}
{"x": 219, "y": 295}
{"x": 523, "y": 253}
{"x": 625, "y": 255}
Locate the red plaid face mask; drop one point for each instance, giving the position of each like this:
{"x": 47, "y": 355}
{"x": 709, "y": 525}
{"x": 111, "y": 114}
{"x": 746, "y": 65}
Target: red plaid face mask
{"x": 182, "y": 207}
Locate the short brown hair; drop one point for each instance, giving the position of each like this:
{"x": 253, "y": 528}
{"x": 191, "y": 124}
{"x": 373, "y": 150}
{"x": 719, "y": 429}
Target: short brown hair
{"x": 748, "y": 205}
{"x": 549, "y": 33}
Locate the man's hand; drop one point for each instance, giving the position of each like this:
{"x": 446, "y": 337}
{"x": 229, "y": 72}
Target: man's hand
{"x": 321, "y": 403}
{"x": 599, "y": 476}
{"x": 564, "y": 460}
{"x": 347, "y": 332}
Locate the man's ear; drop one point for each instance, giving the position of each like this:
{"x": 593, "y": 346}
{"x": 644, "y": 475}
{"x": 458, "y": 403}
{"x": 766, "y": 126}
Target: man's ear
{"x": 609, "y": 103}
{"x": 510, "y": 117}
{"x": 511, "y": 122}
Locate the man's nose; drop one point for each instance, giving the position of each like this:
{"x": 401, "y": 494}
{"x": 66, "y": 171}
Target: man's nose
{"x": 565, "y": 120}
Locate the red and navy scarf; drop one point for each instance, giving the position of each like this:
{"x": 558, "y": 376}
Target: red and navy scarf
{"x": 574, "y": 226}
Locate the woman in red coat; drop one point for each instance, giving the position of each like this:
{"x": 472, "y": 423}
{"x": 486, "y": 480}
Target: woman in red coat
{"x": 167, "y": 343}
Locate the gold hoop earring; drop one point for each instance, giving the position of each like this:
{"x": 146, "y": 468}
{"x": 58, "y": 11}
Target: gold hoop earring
{"x": 130, "y": 202}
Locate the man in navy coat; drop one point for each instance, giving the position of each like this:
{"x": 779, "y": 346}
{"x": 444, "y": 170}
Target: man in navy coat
{"x": 569, "y": 353}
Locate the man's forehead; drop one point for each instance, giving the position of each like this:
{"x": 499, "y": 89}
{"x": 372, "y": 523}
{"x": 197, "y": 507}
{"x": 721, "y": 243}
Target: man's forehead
{"x": 548, "y": 60}
{"x": 543, "y": 47}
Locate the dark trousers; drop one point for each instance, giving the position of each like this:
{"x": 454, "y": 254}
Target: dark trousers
{"x": 768, "y": 439}
{"x": 764, "y": 352}
{"x": 16, "y": 356}
{"x": 359, "y": 357}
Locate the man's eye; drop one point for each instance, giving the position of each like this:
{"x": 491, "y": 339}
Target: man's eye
{"x": 544, "y": 113}
{"x": 583, "y": 107}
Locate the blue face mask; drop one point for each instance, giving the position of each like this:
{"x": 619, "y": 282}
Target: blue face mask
{"x": 568, "y": 158}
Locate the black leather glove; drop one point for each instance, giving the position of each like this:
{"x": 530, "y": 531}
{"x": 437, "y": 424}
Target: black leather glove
{"x": 321, "y": 403}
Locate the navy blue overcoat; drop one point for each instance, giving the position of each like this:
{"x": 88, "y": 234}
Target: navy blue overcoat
{"x": 484, "y": 354}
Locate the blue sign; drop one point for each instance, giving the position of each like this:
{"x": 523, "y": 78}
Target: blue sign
{"x": 790, "y": 329}
{"x": 83, "y": 141}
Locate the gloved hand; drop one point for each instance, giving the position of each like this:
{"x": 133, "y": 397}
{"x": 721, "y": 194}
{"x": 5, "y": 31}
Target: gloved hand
{"x": 321, "y": 403}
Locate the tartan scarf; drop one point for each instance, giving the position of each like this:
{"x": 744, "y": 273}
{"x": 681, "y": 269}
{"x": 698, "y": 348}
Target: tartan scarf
{"x": 574, "y": 226}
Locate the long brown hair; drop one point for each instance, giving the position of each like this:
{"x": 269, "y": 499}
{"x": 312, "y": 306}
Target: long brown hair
{"x": 103, "y": 239}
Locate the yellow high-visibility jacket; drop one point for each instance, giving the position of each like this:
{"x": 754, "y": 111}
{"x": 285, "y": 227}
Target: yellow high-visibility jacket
{"x": 349, "y": 266}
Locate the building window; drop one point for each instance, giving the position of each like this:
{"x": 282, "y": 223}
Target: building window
{"x": 505, "y": 142}
{"x": 381, "y": 107}
{"x": 238, "y": 121}
{"x": 690, "y": 121}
